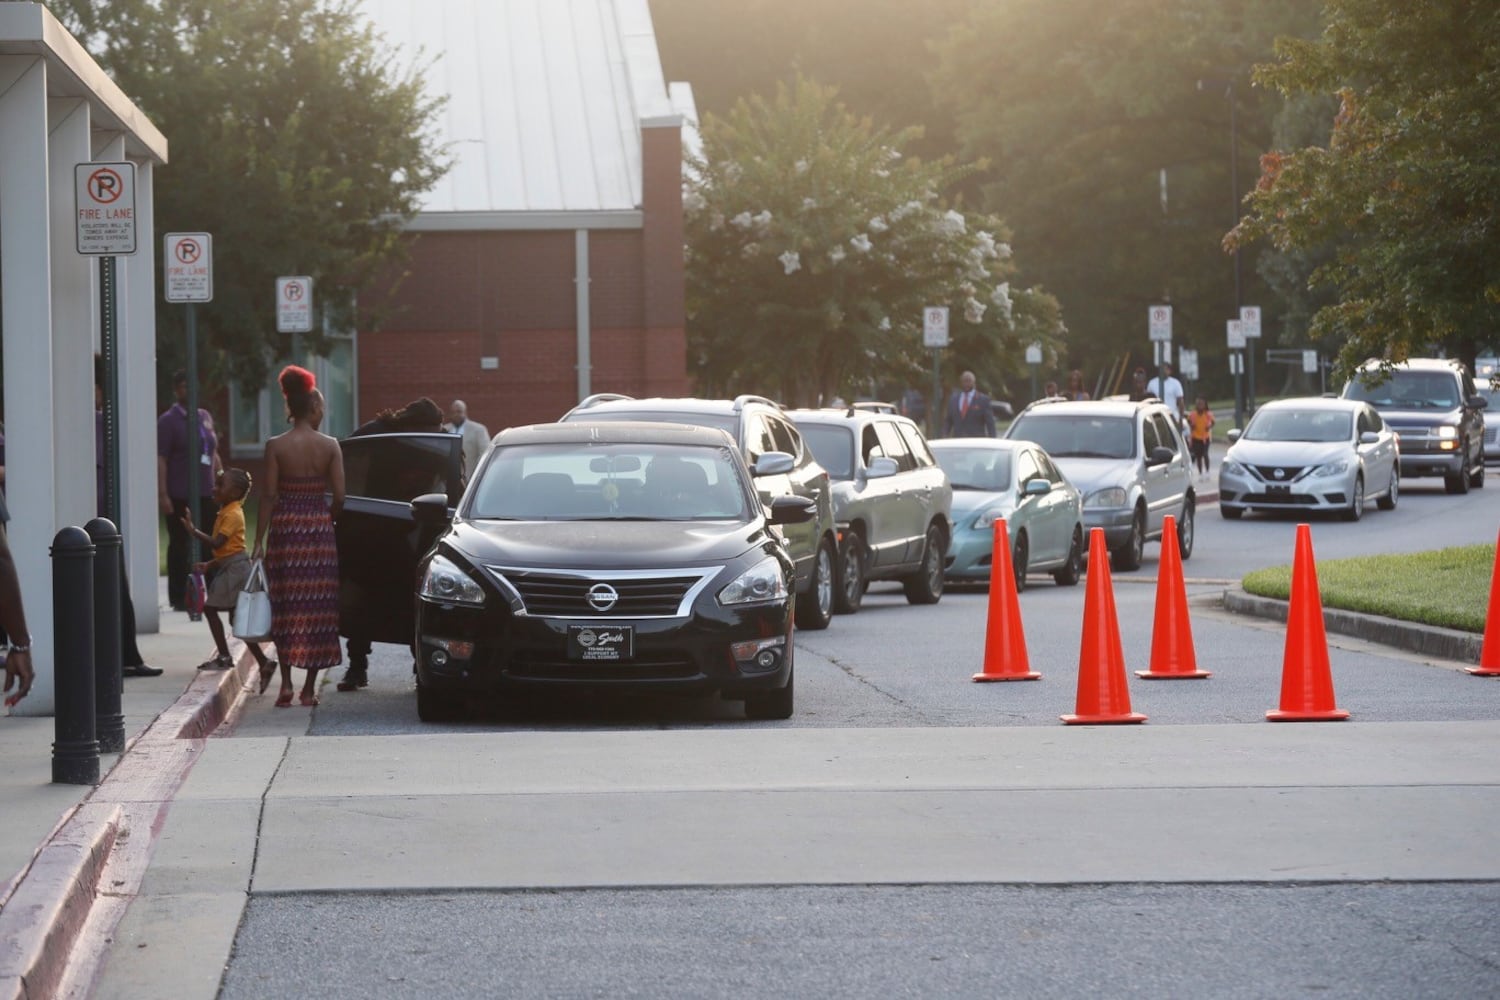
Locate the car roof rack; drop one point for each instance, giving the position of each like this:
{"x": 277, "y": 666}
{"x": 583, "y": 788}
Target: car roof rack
{"x": 599, "y": 397}
{"x": 872, "y": 406}
{"x": 750, "y": 397}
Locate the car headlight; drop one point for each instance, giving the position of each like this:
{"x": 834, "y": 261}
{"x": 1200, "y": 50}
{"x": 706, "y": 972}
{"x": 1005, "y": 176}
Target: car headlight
{"x": 445, "y": 583}
{"x": 1114, "y": 496}
{"x": 1332, "y": 469}
{"x": 987, "y": 518}
{"x": 1233, "y": 468}
{"x": 1447, "y": 431}
{"x": 764, "y": 581}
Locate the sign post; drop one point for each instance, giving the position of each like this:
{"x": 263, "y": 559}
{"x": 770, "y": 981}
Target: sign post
{"x": 1159, "y": 326}
{"x": 935, "y": 336}
{"x": 104, "y": 207}
{"x": 1250, "y": 324}
{"x": 1235, "y": 334}
{"x": 189, "y": 273}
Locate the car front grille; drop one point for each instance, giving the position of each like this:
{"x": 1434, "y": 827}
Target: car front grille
{"x": 543, "y": 669}
{"x": 558, "y": 593}
{"x": 1279, "y": 499}
{"x": 1269, "y": 473}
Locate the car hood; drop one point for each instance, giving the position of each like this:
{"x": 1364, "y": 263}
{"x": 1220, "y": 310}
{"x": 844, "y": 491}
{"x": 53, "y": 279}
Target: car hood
{"x": 604, "y": 544}
{"x": 1288, "y": 452}
{"x": 1090, "y": 474}
{"x": 1419, "y": 418}
{"x": 966, "y": 502}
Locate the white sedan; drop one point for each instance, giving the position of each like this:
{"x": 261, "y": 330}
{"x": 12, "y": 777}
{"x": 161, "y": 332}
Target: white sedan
{"x": 1311, "y": 454}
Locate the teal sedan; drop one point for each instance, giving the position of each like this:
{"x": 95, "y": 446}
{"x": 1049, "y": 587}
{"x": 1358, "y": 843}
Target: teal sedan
{"x": 1016, "y": 480}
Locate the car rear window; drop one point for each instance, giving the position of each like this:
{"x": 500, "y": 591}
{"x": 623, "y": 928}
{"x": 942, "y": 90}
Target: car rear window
{"x": 1083, "y": 435}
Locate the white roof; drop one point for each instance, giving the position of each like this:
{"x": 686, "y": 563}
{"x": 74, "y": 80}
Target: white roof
{"x": 546, "y": 100}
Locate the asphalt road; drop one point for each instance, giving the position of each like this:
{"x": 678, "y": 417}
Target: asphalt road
{"x": 1040, "y": 861}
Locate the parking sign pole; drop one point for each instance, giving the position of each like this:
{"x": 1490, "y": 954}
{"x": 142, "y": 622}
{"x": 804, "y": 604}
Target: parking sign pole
{"x": 934, "y": 414}
{"x": 194, "y": 435}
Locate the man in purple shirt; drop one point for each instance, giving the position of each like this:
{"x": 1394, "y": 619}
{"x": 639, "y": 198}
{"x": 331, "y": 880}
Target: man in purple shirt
{"x": 172, "y": 465}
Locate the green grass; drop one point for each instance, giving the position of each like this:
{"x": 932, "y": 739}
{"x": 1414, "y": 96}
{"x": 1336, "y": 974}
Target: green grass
{"x": 1448, "y": 587}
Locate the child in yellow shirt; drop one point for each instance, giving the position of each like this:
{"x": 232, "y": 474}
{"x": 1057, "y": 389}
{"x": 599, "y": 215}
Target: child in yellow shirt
{"x": 229, "y": 569}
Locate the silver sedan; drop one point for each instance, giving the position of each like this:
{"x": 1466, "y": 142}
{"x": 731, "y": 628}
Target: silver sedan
{"x": 1311, "y": 454}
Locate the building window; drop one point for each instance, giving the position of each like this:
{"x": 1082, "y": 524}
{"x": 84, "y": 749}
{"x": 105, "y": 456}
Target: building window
{"x": 255, "y": 417}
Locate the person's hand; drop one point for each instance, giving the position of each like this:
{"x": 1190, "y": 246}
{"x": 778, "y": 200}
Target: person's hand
{"x": 201, "y": 567}
{"x": 17, "y": 672}
{"x": 187, "y": 522}
{"x": 165, "y": 503}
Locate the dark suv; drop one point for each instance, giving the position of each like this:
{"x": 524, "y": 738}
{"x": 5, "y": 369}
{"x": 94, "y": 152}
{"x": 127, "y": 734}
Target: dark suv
{"x": 762, "y": 428}
{"x": 1436, "y": 412}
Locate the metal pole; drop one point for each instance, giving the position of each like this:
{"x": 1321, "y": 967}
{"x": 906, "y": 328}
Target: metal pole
{"x": 194, "y": 437}
{"x": 75, "y": 753}
{"x": 1235, "y": 364}
{"x": 1234, "y": 219}
{"x": 1033, "y": 382}
{"x": 109, "y": 656}
{"x": 110, "y": 342}
{"x": 938, "y": 408}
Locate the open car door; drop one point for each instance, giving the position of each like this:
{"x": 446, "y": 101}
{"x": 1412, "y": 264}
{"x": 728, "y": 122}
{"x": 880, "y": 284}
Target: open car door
{"x": 379, "y": 541}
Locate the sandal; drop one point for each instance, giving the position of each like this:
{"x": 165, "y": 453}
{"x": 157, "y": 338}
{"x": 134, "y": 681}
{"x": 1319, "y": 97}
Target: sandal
{"x": 284, "y": 699}
{"x": 220, "y": 662}
{"x": 266, "y": 673}
{"x": 308, "y": 700}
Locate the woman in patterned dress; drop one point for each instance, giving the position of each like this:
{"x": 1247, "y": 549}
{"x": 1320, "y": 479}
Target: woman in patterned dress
{"x": 301, "y": 559}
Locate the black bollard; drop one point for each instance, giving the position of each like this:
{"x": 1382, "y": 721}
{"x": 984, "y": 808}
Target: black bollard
{"x": 75, "y": 754}
{"x": 109, "y": 656}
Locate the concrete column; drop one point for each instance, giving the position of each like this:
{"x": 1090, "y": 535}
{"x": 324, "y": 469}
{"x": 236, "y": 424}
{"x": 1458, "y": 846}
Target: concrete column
{"x": 74, "y": 320}
{"x": 26, "y": 327}
{"x": 137, "y": 282}
{"x": 664, "y": 369}
{"x": 581, "y": 296}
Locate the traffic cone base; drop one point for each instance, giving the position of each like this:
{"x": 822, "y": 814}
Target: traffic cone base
{"x": 1150, "y": 675}
{"x": 1483, "y": 671}
{"x": 1332, "y": 715}
{"x": 1005, "y": 656}
{"x": 1098, "y": 720}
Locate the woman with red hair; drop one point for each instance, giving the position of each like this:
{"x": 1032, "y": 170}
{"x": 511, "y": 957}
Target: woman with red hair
{"x": 303, "y": 467}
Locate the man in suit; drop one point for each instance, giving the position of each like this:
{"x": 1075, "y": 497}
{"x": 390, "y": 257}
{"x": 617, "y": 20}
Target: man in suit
{"x": 476, "y": 436}
{"x": 969, "y": 411}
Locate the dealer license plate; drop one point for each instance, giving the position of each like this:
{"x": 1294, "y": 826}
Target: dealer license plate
{"x": 1277, "y": 488}
{"x": 601, "y": 642}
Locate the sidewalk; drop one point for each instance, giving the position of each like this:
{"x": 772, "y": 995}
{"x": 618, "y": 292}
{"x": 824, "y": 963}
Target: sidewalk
{"x": 53, "y": 837}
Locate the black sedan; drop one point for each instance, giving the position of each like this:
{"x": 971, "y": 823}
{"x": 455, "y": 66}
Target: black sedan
{"x": 608, "y": 556}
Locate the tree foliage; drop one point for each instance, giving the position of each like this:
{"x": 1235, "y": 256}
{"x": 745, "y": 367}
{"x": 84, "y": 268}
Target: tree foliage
{"x": 814, "y": 244}
{"x": 1406, "y": 192}
{"x": 296, "y": 140}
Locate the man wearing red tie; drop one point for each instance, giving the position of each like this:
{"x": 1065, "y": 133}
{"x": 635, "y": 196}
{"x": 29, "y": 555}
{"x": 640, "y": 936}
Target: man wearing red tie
{"x": 969, "y": 411}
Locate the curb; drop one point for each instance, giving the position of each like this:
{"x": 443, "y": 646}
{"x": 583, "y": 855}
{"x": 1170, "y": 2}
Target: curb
{"x": 1428, "y": 640}
{"x": 51, "y": 902}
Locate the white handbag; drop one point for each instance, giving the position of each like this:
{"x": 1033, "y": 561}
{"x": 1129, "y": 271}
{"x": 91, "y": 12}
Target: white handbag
{"x": 252, "y": 608}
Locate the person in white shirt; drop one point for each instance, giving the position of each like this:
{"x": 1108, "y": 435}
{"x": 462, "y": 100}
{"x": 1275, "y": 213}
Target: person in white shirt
{"x": 476, "y": 436}
{"x": 1166, "y": 388}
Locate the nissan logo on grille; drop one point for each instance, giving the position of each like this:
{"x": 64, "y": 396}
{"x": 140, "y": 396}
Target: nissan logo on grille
{"x": 602, "y": 597}
{"x": 1280, "y": 473}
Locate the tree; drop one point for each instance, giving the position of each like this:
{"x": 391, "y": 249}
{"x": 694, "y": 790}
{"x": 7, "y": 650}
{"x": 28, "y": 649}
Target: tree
{"x": 295, "y": 140}
{"x": 814, "y": 244}
{"x": 1406, "y": 192}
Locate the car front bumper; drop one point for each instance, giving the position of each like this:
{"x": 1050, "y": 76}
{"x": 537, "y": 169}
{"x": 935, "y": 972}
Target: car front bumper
{"x": 970, "y": 553}
{"x": 1320, "y": 493}
{"x": 1116, "y": 522}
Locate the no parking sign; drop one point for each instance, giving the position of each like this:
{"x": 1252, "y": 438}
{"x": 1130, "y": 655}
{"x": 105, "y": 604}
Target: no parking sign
{"x": 294, "y": 310}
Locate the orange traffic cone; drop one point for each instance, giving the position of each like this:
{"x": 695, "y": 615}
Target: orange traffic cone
{"x": 1103, "y": 695}
{"x": 1306, "y": 679}
{"x": 1489, "y": 653}
{"x": 1172, "y": 656}
{"x": 1004, "y": 640}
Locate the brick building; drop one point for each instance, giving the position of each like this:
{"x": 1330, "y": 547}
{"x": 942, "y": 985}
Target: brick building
{"x": 548, "y": 263}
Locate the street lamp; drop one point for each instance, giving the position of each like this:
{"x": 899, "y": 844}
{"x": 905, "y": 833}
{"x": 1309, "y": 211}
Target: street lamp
{"x": 1234, "y": 219}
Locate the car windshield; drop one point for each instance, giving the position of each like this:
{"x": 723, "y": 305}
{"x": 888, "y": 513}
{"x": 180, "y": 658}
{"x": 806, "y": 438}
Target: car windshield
{"x": 724, "y": 422}
{"x": 833, "y": 447}
{"x": 1300, "y": 425}
{"x": 592, "y": 481}
{"x": 1077, "y": 435}
{"x": 1407, "y": 390}
{"x": 976, "y": 468}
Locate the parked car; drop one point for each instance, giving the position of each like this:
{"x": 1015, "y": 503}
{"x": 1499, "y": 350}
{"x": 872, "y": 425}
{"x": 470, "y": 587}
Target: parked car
{"x": 1313, "y": 454}
{"x": 1436, "y": 412}
{"x": 1487, "y": 382}
{"x": 609, "y": 556}
{"x": 890, "y": 501}
{"x": 761, "y": 428}
{"x": 1129, "y": 461}
{"x": 1018, "y": 481}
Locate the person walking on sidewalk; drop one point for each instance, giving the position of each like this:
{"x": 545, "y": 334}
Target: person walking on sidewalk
{"x": 295, "y": 534}
{"x": 173, "y": 466}
{"x": 969, "y": 411}
{"x": 228, "y": 570}
{"x": 1201, "y": 422}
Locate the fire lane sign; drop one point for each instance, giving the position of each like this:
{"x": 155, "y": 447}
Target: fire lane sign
{"x": 294, "y": 312}
{"x": 188, "y": 266}
{"x": 104, "y": 208}
{"x": 935, "y": 326}
{"x": 1159, "y": 323}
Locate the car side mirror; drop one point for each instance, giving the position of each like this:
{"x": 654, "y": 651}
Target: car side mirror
{"x": 774, "y": 463}
{"x": 1478, "y": 403}
{"x": 1368, "y": 437}
{"x": 792, "y": 510}
{"x": 431, "y": 510}
{"x": 880, "y": 467}
{"x": 1036, "y": 488}
{"x": 1160, "y": 455}
{"x": 1233, "y": 435}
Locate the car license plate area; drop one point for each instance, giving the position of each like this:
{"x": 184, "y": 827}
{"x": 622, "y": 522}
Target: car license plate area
{"x": 1274, "y": 488}
{"x": 601, "y": 643}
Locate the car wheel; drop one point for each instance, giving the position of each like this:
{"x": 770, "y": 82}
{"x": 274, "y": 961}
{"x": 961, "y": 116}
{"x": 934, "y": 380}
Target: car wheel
{"x": 1357, "y": 502}
{"x": 1068, "y": 575}
{"x": 1458, "y": 482}
{"x": 435, "y": 707}
{"x": 1185, "y": 532}
{"x": 1128, "y": 556}
{"x": 1388, "y": 502}
{"x": 1476, "y": 480}
{"x": 851, "y": 588}
{"x": 1231, "y": 513}
{"x": 815, "y": 607}
{"x": 925, "y": 586}
{"x": 1020, "y": 555}
{"x": 772, "y": 704}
